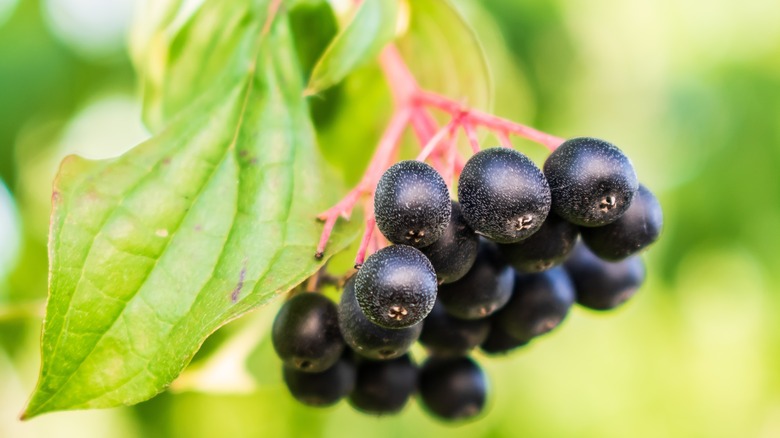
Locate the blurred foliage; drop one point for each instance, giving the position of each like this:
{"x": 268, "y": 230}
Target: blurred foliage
{"x": 690, "y": 90}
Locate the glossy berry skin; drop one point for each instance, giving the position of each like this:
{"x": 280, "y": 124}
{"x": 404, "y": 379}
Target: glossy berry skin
{"x": 603, "y": 285}
{"x": 396, "y": 287}
{"x": 540, "y": 301}
{"x": 592, "y": 181}
{"x": 499, "y": 342}
{"x": 456, "y": 250}
{"x": 446, "y": 335}
{"x": 384, "y": 387}
{"x": 306, "y": 333}
{"x": 412, "y": 204}
{"x": 504, "y": 196}
{"x": 639, "y": 226}
{"x": 324, "y": 388}
{"x": 546, "y": 248}
{"x": 453, "y": 388}
{"x": 368, "y": 339}
{"x": 483, "y": 290}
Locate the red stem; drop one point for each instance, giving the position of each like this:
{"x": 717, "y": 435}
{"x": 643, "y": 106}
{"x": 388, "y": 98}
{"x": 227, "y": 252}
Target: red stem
{"x": 489, "y": 121}
{"x": 402, "y": 83}
{"x": 434, "y": 142}
{"x": 472, "y": 136}
{"x": 503, "y": 137}
{"x": 361, "y": 254}
{"x": 379, "y": 162}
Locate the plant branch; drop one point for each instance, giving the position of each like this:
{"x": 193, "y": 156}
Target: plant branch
{"x": 437, "y": 143}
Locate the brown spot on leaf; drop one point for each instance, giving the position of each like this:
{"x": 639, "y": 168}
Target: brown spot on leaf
{"x": 240, "y": 285}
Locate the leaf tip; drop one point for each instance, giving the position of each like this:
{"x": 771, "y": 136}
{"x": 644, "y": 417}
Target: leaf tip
{"x": 310, "y": 91}
{"x": 31, "y": 410}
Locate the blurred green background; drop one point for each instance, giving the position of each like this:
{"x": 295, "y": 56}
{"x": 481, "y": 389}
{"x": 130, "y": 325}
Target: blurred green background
{"x": 689, "y": 89}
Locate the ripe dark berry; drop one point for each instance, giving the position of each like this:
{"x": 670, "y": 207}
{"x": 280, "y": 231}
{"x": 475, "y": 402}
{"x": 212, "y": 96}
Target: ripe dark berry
{"x": 454, "y": 253}
{"x": 546, "y": 248}
{"x": 499, "y": 342}
{"x": 446, "y": 335}
{"x": 603, "y": 285}
{"x": 592, "y": 182}
{"x": 453, "y": 389}
{"x": 306, "y": 333}
{"x": 483, "y": 290}
{"x": 396, "y": 286}
{"x": 412, "y": 204}
{"x": 639, "y": 226}
{"x": 504, "y": 196}
{"x": 384, "y": 387}
{"x": 540, "y": 301}
{"x": 324, "y": 388}
{"x": 368, "y": 339}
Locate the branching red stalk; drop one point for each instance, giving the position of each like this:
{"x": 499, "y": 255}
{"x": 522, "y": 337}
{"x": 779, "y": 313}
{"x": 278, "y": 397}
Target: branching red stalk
{"x": 379, "y": 162}
{"x": 503, "y": 138}
{"x": 437, "y": 143}
{"x": 364, "y": 244}
{"x": 494, "y": 123}
{"x": 434, "y": 142}
{"x": 471, "y": 134}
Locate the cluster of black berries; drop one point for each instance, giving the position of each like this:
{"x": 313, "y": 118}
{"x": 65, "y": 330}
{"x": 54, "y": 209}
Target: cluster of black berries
{"x": 444, "y": 285}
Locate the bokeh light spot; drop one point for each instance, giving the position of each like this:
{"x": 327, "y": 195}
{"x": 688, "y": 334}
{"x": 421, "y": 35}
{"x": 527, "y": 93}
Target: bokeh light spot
{"x": 92, "y": 28}
{"x": 9, "y": 231}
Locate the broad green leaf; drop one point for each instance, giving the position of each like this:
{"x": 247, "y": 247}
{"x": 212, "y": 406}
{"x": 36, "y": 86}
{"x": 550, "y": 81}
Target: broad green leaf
{"x": 445, "y": 55}
{"x": 197, "y": 44}
{"x": 153, "y": 251}
{"x": 359, "y": 42}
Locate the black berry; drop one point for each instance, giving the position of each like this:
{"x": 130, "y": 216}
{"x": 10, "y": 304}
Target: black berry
{"x": 446, "y": 335}
{"x": 639, "y": 226}
{"x": 453, "y": 389}
{"x": 384, "y": 387}
{"x": 603, "y": 285}
{"x": 540, "y": 301}
{"x": 483, "y": 290}
{"x": 504, "y": 196}
{"x": 546, "y": 248}
{"x": 412, "y": 204}
{"x": 396, "y": 286}
{"x": 592, "y": 181}
{"x": 324, "y": 388}
{"x": 454, "y": 253}
{"x": 499, "y": 342}
{"x": 306, "y": 333}
{"x": 368, "y": 339}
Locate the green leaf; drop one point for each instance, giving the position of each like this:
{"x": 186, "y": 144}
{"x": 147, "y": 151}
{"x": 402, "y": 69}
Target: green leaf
{"x": 445, "y": 54}
{"x": 359, "y": 42}
{"x": 153, "y": 251}
{"x": 192, "y": 46}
